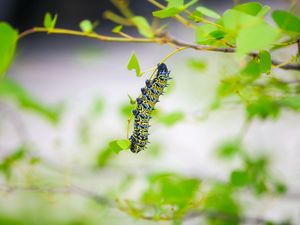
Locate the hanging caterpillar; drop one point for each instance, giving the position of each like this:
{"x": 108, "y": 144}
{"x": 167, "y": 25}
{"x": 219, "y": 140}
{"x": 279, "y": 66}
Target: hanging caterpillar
{"x": 145, "y": 105}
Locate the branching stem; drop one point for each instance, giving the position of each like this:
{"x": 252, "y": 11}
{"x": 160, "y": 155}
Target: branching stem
{"x": 162, "y": 39}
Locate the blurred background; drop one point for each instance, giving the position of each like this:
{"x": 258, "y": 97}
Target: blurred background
{"x": 83, "y": 86}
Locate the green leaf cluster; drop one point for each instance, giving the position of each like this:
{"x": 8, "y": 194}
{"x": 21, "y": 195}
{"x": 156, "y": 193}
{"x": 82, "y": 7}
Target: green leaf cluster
{"x": 243, "y": 26}
{"x": 256, "y": 175}
{"x": 168, "y": 190}
{"x": 221, "y": 205}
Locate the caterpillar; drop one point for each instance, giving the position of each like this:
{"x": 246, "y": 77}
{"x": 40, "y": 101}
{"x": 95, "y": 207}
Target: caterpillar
{"x": 145, "y": 105}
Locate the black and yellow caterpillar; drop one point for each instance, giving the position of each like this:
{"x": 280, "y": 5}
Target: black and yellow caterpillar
{"x": 145, "y": 105}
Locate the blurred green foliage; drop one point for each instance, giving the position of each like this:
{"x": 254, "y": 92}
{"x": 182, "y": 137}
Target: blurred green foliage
{"x": 7, "y": 163}
{"x": 254, "y": 86}
{"x": 170, "y": 119}
{"x": 220, "y": 199}
{"x": 11, "y": 90}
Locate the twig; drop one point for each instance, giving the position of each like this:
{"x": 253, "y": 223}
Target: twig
{"x": 163, "y": 39}
{"x": 84, "y": 34}
{"x": 58, "y": 190}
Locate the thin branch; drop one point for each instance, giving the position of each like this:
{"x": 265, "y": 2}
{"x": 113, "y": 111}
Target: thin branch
{"x": 85, "y": 34}
{"x": 162, "y": 39}
{"x": 230, "y": 50}
{"x": 58, "y": 190}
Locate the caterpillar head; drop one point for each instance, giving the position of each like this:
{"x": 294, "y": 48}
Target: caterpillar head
{"x": 162, "y": 68}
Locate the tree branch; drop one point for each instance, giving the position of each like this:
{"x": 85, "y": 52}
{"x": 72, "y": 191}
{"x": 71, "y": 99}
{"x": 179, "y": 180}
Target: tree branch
{"x": 161, "y": 39}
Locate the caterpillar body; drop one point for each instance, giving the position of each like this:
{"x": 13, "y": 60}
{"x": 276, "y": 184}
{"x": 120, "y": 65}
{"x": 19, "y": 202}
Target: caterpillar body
{"x": 145, "y": 105}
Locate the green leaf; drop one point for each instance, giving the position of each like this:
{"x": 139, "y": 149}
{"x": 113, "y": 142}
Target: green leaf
{"x": 226, "y": 204}
{"x": 247, "y": 40}
{"x": 6, "y": 165}
{"x": 239, "y": 178}
{"x": 174, "y": 7}
{"x": 14, "y": 91}
{"x": 260, "y": 187}
{"x": 131, "y": 100}
{"x": 263, "y": 108}
{"x": 197, "y": 64}
{"x": 265, "y": 61}
{"x": 175, "y": 3}
{"x": 143, "y": 26}
{"x": 117, "y": 29}
{"x": 203, "y": 33}
{"x": 264, "y": 10}
{"x": 217, "y": 34}
{"x": 104, "y": 156}
{"x": 49, "y": 21}
{"x": 195, "y": 16}
{"x": 8, "y": 42}
{"x": 189, "y": 4}
{"x": 291, "y": 102}
{"x": 280, "y": 188}
{"x": 133, "y": 64}
{"x": 126, "y": 110}
{"x": 86, "y": 26}
{"x": 166, "y": 13}
{"x": 171, "y": 118}
{"x": 119, "y": 145}
{"x": 228, "y": 86}
{"x": 170, "y": 189}
{"x": 251, "y": 8}
{"x": 252, "y": 69}
{"x": 286, "y": 20}
{"x": 234, "y": 20}
{"x": 208, "y": 12}
{"x": 229, "y": 149}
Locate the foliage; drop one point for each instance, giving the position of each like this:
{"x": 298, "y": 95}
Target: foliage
{"x": 253, "y": 86}
{"x": 50, "y": 21}
{"x": 8, "y": 42}
{"x": 13, "y": 91}
{"x": 133, "y": 64}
